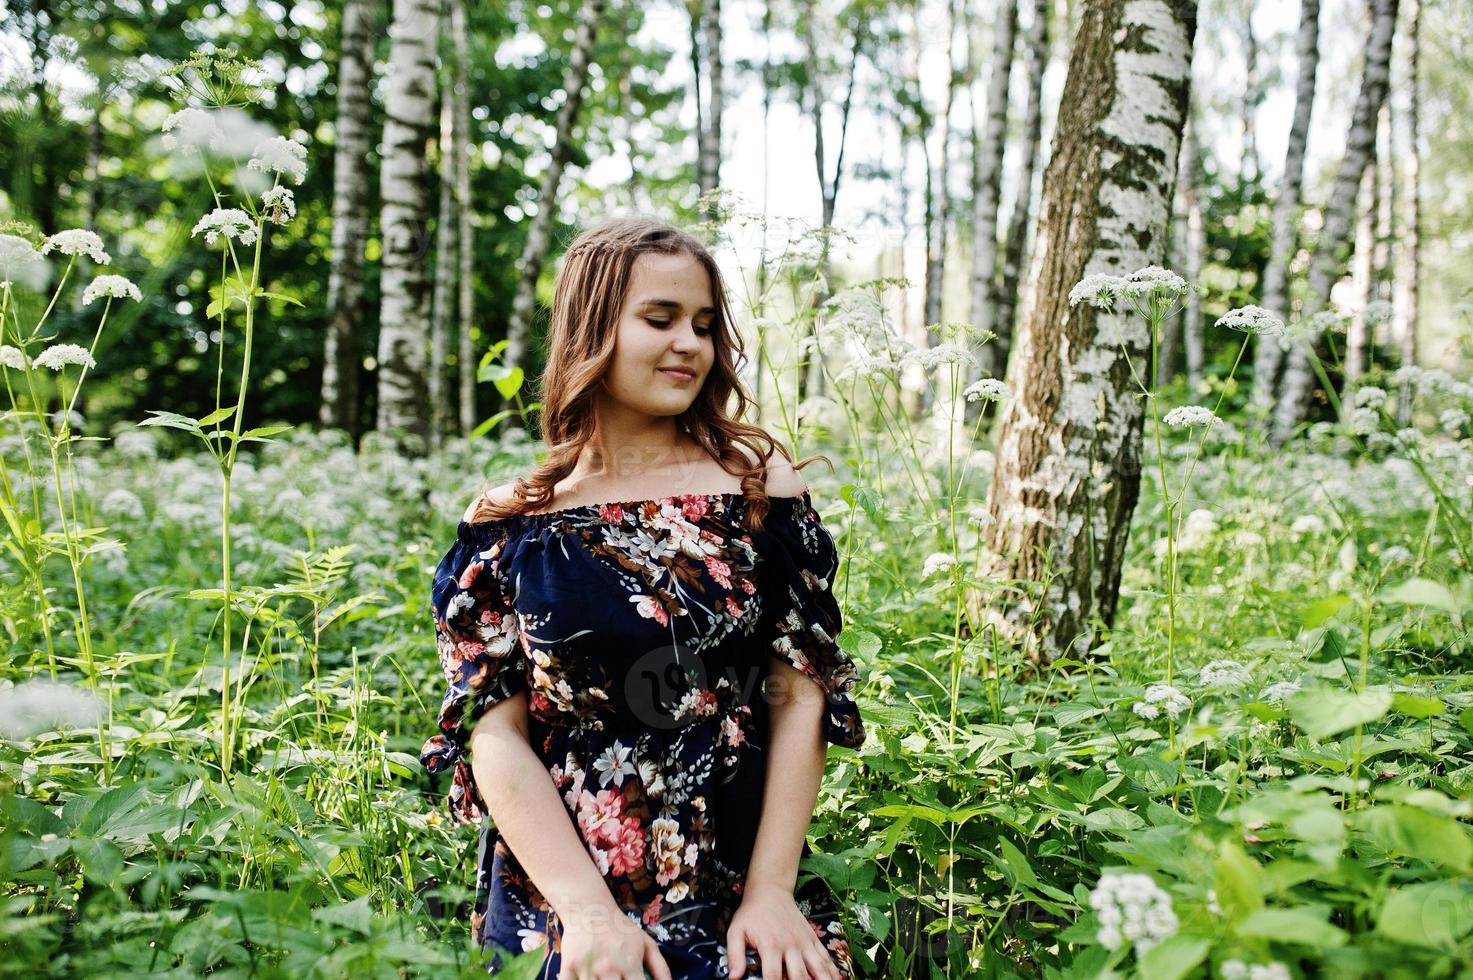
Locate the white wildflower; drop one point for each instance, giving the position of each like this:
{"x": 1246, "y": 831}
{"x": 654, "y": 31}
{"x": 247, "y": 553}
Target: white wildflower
{"x": 1238, "y": 970}
{"x": 11, "y": 357}
{"x": 280, "y": 155}
{"x": 1396, "y": 554}
{"x": 58, "y": 356}
{"x": 937, "y": 562}
{"x": 137, "y": 443}
{"x": 64, "y": 420}
{"x": 1369, "y": 396}
{"x": 279, "y": 205}
{"x": 1378, "y": 311}
{"x": 77, "y": 241}
{"x": 230, "y": 222}
{"x": 1252, "y": 319}
{"x": 116, "y": 286}
{"x": 1278, "y": 691}
{"x": 123, "y": 502}
{"x": 192, "y": 128}
{"x": 1364, "y": 421}
{"x": 1223, "y": 673}
{"x": 1190, "y": 417}
{"x": 944, "y": 353}
{"x": 1153, "y": 280}
{"x": 1162, "y": 697}
{"x": 1131, "y": 907}
{"x": 987, "y": 389}
{"x": 1308, "y": 524}
{"x": 1453, "y": 421}
{"x": 980, "y": 517}
{"x": 44, "y": 706}
{"x": 20, "y": 262}
{"x": 1097, "y": 289}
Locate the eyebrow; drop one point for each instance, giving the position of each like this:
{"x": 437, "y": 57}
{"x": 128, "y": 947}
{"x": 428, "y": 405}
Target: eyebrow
{"x": 673, "y": 305}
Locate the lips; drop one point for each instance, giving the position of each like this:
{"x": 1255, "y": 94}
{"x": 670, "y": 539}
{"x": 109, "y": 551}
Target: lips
{"x": 680, "y": 373}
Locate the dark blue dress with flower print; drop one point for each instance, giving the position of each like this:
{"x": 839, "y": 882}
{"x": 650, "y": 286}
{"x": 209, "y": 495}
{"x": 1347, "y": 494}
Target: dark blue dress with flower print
{"x": 641, "y": 632}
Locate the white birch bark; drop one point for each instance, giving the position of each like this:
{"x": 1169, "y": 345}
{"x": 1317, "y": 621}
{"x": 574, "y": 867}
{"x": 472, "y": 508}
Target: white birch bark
{"x": 539, "y": 231}
{"x": 1035, "y": 58}
{"x": 941, "y": 205}
{"x": 446, "y": 227}
{"x": 1328, "y": 261}
{"x": 1194, "y": 237}
{"x": 1358, "y": 334}
{"x": 466, "y": 362}
{"x": 409, "y": 107}
{"x": 1267, "y": 353}
{"x": 1412, "y": 274}
{"x": 1068, "y": 460}
{"x": 987, "y": 155}
{"x": 338, "y": 407}
{"x": 708, "y": 164}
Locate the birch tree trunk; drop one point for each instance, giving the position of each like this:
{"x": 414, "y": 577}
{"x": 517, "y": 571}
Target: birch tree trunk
{"x": 1248, "y": 169}
{"x": 338, "y": 407}
{"x": 1328, "y": 261}
{"x": 447, "y": 227}
{"x": 1067, "y": 474}
{"x": 1268, "y": 354}
{"x": 1035, "y": 58}
{"x": 709, "y": 161}
{"x": 1359, "y": 332}
{"x": 1413, "y": 243}
{"x": 941, "y": 211}
{"x": 466, "y": 362}
{"x": 1194, "y": 237}
{"x": 987, "y": 154}
{"x": 539, "y": 231}
{"x": 403, "y": 398}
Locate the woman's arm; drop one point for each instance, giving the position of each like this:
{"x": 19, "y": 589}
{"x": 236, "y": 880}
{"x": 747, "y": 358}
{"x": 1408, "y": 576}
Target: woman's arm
{"x": 795, "y": 737}
{"x": 531, "y": 817}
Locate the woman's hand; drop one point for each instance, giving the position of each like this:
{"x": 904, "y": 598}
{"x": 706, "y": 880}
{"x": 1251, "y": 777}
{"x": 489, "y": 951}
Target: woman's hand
{"x": 768, "y": 921}
{"x": 608, "y": 945}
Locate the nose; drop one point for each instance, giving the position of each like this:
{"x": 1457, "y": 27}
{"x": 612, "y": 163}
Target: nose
{"x": 685, "y": 338}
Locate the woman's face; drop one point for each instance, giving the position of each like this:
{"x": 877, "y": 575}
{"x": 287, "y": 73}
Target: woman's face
{"x": 667, "y": 322}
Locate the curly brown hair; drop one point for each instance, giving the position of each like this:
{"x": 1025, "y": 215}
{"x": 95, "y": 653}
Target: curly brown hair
{"x": 589, "y": 294}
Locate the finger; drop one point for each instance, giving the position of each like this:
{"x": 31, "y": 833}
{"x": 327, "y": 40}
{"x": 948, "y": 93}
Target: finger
{"x": 772, "y": 962}
{"x": 794, "y": 968}
{"x": 653, "y": 958}
{"x": 736, "y": 955}
{"x": 820, "y": 967}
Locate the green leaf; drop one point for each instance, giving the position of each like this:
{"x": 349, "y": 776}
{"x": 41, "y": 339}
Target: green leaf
{"x": 1238, "y": 882}
{"x": 283, "y": 297}
{"x": 101, "y": 860}
{"x": 1174, "y": 958}
{"x": 1297, "y": 925}
{"x": 1419, "y": 833}
{"x": 260, "y": 433}
{"x": 1322, "y": 609}
{"x": 1435, "y": 914}
{"x": 218, "y": 415}
{"x": 1415, "y": 705}
{"x": 1321, "y": 712}
{"x": 1113, "y": 818}
{"x": 357, "y": 915}
{"x": 1423, "y": 592}
{"x": 1016, "y": 862}
{"x": 172, "y": 420}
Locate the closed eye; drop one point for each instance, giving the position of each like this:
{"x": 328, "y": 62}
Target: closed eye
{"x": 700, "y": 331}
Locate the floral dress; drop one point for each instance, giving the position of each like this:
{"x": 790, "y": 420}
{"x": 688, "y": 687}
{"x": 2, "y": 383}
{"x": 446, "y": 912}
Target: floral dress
{"x": 641, "y": 632}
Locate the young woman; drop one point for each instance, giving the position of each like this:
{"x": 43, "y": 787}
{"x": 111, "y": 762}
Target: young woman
{"x": 639, "y": 640}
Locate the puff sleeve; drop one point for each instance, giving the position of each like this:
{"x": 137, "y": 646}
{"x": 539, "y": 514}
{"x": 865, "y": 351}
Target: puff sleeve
{"x": 805, "y": 619}
{"x": 481, "y": 653}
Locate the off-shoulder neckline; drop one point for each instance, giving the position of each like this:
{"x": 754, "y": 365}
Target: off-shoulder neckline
{"x": 543, "y": 517}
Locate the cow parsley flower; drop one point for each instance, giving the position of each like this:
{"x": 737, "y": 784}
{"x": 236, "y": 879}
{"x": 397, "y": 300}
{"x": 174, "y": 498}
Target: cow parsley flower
{"x": 1131, "y": 907}
{"x": 1238, "y": 970}
{"x": 1098, "y": 290}
{"x": 280, "y": 155}
{"x": 1378, "y": 311}
{"x": 1252, "y": 319}
{"x": 77, "y": 241}
{"x": 1369, "y": 396}
{"x": 1159, "y": 698}
{"x": 1278, "y": 691}
{"x": 944, "y": 353}
{"x": 20, "y": 262}
{"x": 1190, "y": 417}
{"x": 1155, "y": 281}
{"x": 230, "y": 222}
{"x": 279, "y": 205}
{"x": 58, "y": 356}
{"x": 1223, "y": 673}
{"x": 33, "y": 707}
{"x": 937, "y": 562}
{"x": 1453, "y": 421}
{"x": 987, "y": 389}
{"x": 115, "y": 286}
{"x": 1308, "y": 524}
{"x": 1363, "y": 421}
{"x": 192, "y": 128}
{"x": 11, "y": 357}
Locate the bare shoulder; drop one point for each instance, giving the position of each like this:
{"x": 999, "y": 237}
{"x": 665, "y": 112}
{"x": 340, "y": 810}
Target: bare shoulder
{"x": 782, "y": 479}
{"x": 500, "y": 495}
